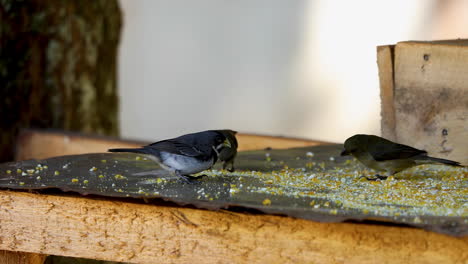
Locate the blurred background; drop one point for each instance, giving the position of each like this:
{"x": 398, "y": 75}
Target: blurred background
{"x": 294, "y": 68}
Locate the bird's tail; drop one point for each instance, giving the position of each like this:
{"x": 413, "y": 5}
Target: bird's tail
{"x": 133, "y": 150}
{"x": 443, "y": 161}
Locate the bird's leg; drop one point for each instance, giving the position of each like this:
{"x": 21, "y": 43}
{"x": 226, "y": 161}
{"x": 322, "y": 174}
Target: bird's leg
{"x": 232, "y": 165}
{"x": 189, "y": 178}
{"x": 226, "y": 163}
{"x": 376, "y": 177}
{"x": 381, "y": 177}
{"x": 185, "y": 178}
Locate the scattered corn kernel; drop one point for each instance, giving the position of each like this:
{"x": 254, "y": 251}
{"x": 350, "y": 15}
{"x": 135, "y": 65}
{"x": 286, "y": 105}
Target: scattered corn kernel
{"x": 119, "y": 177}
{"x": 266, "y": 202}
{"x": 75, "y": 180}
{"x": 56, "y": 173}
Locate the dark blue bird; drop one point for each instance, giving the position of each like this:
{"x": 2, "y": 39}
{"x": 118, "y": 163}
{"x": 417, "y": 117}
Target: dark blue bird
{"x": 187, "y": 154}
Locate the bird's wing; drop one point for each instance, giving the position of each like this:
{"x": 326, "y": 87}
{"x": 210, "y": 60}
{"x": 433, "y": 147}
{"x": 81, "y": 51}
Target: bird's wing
{"x": 176, "y": 147}
{"x": 385, "y": 151}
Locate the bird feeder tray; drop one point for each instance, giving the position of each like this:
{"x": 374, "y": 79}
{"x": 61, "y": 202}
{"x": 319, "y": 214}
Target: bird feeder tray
{"x": 311, "y": 183}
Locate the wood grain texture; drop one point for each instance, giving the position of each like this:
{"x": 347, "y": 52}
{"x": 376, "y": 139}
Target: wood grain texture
{"x": 58, "y": 67}
{"x": 387, "y": 113}
{"x": 139, "y": 233}
{"x": 253, "y": 142}
{"x": 10, "y": 257}
{"x": 39, "y": 144}
{"x": 430, "y": 97}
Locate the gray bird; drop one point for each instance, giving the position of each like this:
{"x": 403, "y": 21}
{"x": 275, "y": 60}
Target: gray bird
{"x": 384, "y": 155}
{"x": 187, "y": 154}
{"x": 227, "y": 155}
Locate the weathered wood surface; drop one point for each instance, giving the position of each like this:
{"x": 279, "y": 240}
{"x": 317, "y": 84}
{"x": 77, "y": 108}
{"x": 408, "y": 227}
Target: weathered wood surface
{"x": 40, "y": 144}
{"x": 315, "y": 188}
{"x": 385, "y": 56}
{"x": 147, "y": 233}
{"x": 58, "y": 67}
{"x": 430, "y": 96}
{"x": 139, "y": 233}
{"x": 10, "y": 257}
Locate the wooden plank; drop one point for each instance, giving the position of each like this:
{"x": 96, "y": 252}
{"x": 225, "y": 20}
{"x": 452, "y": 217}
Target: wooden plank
{"x": 385, "y": 63}
{"x": 140, "y": 233}
{"x": 10, "y": 257}
{"x": 252, "y": 142}
{"x": 431, "y": 98}
{"x": 40, "y": 144}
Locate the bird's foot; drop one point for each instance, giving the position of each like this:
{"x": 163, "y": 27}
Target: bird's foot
{"x": 230, "y": 169}
{"x": 189, "y": 179}
{"x": 186, "y": 179}
{"x": 376, "y": 177}
{"x": 226, "y": 164}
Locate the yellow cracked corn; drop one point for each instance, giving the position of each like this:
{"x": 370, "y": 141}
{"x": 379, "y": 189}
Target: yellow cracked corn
{"x": 425, "y": 190}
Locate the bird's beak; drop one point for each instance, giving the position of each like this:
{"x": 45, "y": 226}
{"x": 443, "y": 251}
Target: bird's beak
{"x": 226, "y": 143}
{"x": 345, "y": 153}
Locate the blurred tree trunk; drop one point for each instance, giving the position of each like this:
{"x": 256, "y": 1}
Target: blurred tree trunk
{"x": 58, "y": 67}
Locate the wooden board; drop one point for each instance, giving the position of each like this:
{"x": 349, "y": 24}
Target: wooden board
{"x": 42, "y": 144}
{"x": 385, "y": 62}
{"x": 430, "y": 96}
{"x": 10, "y": 257}
{"x": 139, "y": 233}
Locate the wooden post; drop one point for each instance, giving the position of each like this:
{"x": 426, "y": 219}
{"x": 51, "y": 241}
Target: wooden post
{"x": 57, "y": 67}
{"x": 425, "y": 96}
{"x": 387, "y": 86}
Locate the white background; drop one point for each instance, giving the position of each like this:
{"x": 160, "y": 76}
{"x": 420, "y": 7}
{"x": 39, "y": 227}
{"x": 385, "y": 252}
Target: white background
{"x": 293, "y": 68}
